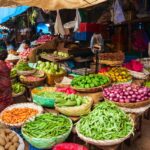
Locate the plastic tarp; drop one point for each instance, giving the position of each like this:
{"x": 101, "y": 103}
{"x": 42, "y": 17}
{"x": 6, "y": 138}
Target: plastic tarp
{"x": 8, "y": 13}
{"x": 52, "y": 4}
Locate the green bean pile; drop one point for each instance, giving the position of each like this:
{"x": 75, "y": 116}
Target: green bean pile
{"x": 47, "y": 126}
{"x": 105, "y": 122}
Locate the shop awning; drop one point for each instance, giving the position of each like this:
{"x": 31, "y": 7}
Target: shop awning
{"x": 52, "y": 4}
{"x": 8, "y": 13}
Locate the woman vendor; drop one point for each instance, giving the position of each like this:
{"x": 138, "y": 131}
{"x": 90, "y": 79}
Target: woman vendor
{"x": 5, "y": 82}
{"x": 24, "y": 50}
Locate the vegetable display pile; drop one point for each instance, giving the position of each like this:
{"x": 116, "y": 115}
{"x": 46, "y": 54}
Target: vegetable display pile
{"x": 23, "y": 66}
{"x": 67, "y": 90}
{"x": 127, "y": 93}
{"x": 37, "y": 76}
{"x": 18, "y": 115}
{"x": 134, "y": 65}
{"x": 47, "y": 126}
{"x": 17, "y": 88}
{"x": 8, "y": 140}
{"x": 70, "y": 100}
{"x": 48, "y": 94}
{"x": 50, "y": 67}
{"x": 112, "y": 56}
{"x": 119, "y": 74}
{"x": 105, "y": 122}
{"x": 61, "y": 54}
{"x": 13, "y": 73}
{"x": 89, "y": 81}
{"x": 44, "y": 38}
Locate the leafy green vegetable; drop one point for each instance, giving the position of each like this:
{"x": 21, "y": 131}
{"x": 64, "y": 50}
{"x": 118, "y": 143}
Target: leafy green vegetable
{"x": 23, "y": 66}
{"x": 47, "y": 126}
{"x": 13, "y": 73}
{"x": 17, "y": 88}
{"x": 105, "y": 122}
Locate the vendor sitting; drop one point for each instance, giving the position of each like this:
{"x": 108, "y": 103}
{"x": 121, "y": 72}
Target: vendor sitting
{"x": 25, "y": 51}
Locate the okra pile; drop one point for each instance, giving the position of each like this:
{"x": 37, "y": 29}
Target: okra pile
{"x": 105, "y": 122}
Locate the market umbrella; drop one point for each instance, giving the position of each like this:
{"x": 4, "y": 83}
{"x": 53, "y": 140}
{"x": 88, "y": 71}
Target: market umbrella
{"x": 52, "y": 4}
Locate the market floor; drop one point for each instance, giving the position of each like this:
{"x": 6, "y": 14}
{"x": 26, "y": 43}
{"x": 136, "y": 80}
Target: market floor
{"x": 143, "y": 143}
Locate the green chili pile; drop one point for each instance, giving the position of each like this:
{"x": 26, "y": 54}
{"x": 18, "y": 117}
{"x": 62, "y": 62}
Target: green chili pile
{"x": 105, "y": 122}
{"x": 47, "y": 126}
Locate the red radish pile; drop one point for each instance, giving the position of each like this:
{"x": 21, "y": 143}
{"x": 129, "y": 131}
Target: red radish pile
{"x": 66, "y": 90}
{"x": 127, "y": 93}
{"x": 134, "y": 65}
{"x": 44, "y": 38}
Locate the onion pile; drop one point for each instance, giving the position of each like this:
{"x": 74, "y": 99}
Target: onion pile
{"x": 127, "y": 93}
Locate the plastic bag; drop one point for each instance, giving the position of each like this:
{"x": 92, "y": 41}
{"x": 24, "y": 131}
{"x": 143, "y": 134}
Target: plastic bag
{"x": 77, "y": 20}
{"x": 69, "y": 146}
{"x": 118, "y": 15}
{"x": 59, "y": 29}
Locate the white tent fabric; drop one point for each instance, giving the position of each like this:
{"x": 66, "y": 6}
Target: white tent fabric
{"x": 59, "y": 29}
{"x": 52, "y": 4}
{"x": 77, "y": 20}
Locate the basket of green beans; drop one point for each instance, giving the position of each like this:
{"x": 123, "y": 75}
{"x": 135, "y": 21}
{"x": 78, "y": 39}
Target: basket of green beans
{"x": 106, "y": 125}
{"x": 47, "y": 130}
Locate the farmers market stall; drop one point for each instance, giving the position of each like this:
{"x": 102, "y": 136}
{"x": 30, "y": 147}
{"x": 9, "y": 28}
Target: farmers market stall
{"x": 61, "y": 103}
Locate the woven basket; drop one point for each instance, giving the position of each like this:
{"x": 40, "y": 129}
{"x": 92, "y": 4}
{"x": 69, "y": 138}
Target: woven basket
{"x": 18, "y": 94}
{"x": 33, "y": 83}
{"x": 21, "y": 105}
{"x": 128, "y": 82}
{"x": 21, "y": 142}
{"x": 91, "y": 90}
{"x": 132, "y": 105}
{"x": 52, "y": 77}
{"x": 46, "y": 143}
{"x": 110, "y": 62}
{"x": 25, "y": 73}
{"x": 102, "y": 142}
{"x": 59, "y": 84}
{"x": 76, "y": 111}
{"x": 43, "y": 101}
{"x": 140, "y": 75}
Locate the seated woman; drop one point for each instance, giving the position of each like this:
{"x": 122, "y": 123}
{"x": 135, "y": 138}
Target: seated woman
{"x": 5, "y": 86}
{"x": 26, "y": 49}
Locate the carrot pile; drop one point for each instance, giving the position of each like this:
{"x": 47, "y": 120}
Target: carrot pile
{"x": 18, "y": 115}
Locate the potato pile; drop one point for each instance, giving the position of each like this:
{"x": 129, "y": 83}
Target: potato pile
{"x": 8, "y": 140}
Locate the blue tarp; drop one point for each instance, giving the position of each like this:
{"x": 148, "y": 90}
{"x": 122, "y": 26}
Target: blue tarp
{"x": 7, "y": 13}
{"x": 43, "y": 27}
